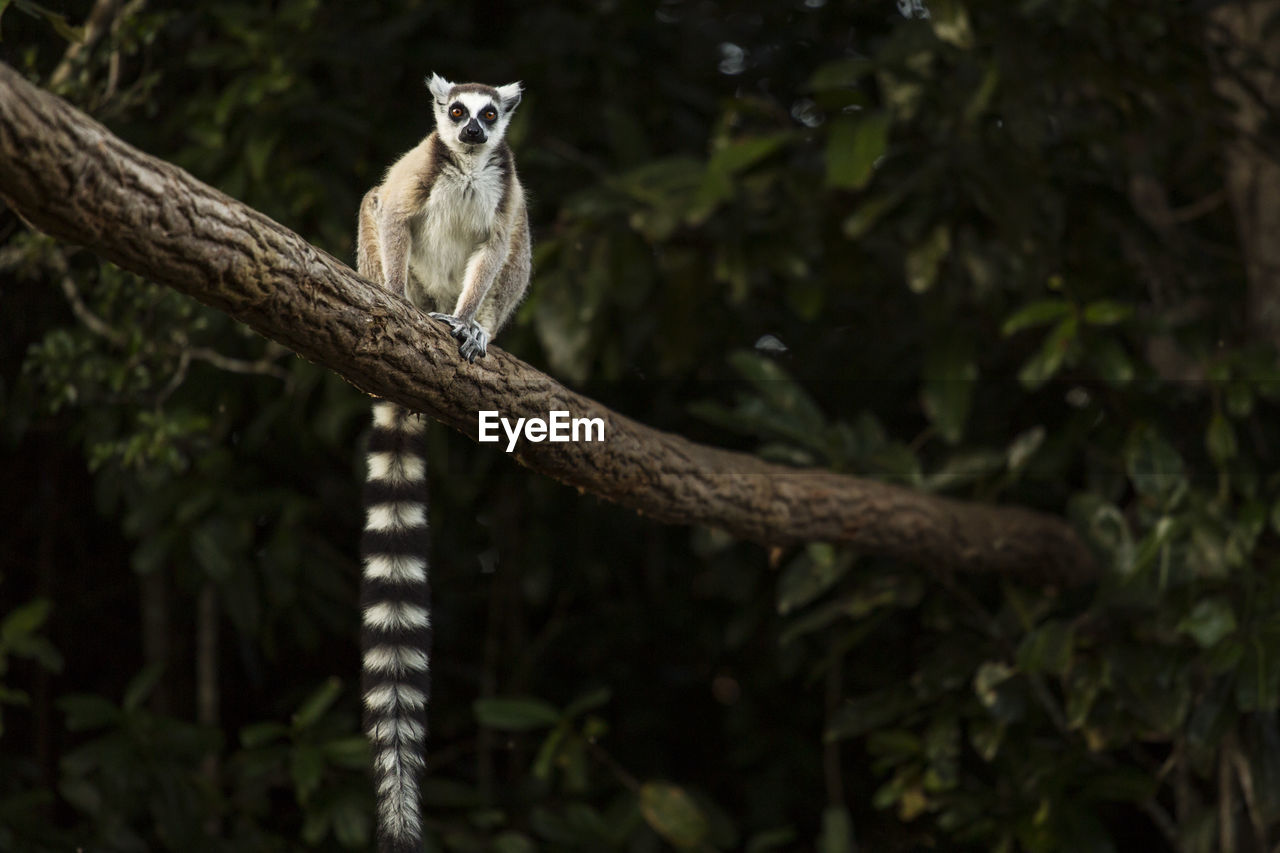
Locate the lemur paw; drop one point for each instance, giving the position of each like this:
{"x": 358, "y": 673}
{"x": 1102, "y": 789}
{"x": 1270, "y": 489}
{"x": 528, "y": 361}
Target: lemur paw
{"x": 473, "y": 340}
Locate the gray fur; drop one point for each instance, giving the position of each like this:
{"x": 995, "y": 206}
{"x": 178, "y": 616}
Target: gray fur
{"x": 448, "y": 225}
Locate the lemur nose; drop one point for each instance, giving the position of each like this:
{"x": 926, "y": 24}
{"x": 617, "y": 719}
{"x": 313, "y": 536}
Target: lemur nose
{"x": 472, "y": 132}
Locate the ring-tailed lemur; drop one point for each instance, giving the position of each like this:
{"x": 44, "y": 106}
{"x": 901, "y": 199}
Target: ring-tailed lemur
{"x": 448, "y": 229}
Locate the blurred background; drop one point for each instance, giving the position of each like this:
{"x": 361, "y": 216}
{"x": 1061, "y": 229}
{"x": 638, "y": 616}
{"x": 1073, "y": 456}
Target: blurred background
{"x": 1014, "y": 252}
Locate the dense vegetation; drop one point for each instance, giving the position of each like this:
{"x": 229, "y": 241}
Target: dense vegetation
{"x": 991, "y": 253}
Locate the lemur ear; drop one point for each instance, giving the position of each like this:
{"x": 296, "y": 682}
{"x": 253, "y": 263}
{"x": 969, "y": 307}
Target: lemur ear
{"x": 439, "y": 86}
{"x": 510, "y": 95}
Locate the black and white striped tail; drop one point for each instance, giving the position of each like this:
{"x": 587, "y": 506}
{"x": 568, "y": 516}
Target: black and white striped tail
{"x": 395, "y": 601}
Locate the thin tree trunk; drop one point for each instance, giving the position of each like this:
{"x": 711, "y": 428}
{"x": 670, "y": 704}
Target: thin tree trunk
{"x": 157, "y": 632}
{"x": 207, "y": 696}
{"x": 1248, "y": 41}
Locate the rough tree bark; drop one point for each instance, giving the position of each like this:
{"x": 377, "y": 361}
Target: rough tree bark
{"x": 70, "y": 177}
{"x": 1247, "y": 39}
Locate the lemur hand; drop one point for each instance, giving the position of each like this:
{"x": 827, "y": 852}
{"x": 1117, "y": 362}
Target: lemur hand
{"x": 473, "y": 340}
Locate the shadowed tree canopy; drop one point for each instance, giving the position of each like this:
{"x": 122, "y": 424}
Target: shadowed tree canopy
{"x": 968, "y": 318}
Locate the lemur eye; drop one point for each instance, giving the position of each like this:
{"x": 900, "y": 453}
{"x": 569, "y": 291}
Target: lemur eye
{"x": 456, "y": 111}
{"x": 489, "y": 114}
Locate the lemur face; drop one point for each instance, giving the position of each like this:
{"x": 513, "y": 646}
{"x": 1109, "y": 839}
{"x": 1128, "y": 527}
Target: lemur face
{"x": 471, "y": 115}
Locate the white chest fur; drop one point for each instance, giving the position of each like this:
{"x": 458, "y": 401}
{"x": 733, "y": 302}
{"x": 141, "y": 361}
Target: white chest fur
{"x": 459, "y": 215}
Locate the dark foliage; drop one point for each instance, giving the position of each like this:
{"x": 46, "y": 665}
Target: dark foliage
{"x": 996, "y": 248}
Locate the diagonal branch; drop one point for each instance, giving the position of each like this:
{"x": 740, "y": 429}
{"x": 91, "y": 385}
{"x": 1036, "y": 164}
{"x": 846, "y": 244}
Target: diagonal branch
{"x": 71, "y": 177}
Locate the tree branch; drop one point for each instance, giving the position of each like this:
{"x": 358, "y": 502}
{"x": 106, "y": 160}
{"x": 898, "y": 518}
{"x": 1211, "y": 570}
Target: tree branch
{"x": 71, "y": 177}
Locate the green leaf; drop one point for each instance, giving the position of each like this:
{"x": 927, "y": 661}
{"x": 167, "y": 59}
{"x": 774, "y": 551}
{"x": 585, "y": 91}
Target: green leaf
{"x": 306, "y": 767}
{"x": 57, "y": 20}
{"x": 313, "y": 708}
{"x": 1048, "y": 648}
{"x": 1121, "y": 784}
{"x": 1036, "y": 314}
{"x": 1023, "y": 447}
{"x": 257, "y": 153}
{"x": 837, "y": 831}
{"x": 350, "y": 752}
{"x": 853, "y": 147}
{"x": 1154, "y": 543}
{"x": 586, "y": 821}
{"x": 950, "y": 21}
{"x": 883, "y": 590}
{"x": 814, "y": 620}
{"x": 1209, "y": 621}
{"x": 949, "y": 374}
{"x": 574, "y": 764}
{"x": 783, "y": 838}
{"x": 516, "y": 714}
{"x": 1082, "y": 686}
{"x": 39, "y": 650}
{"x": 672, "y": 813}
{"x": 256, "y": 735}
{"x": 1155, "y": 468}
{"x": 985, "y": 736}
{"x": 962, "y": 468}
{"x": 351, "y": 825}
{"x": 924, "y": 259}
{"x": 25, "y": 620}
{"x": 550, "y": 827}
{"x": 1041, "y": 367}
{"x": 1209, "y": 555}
{"x": 588, "y": 702}
{"x": 10, "y": 696}
{"x": 996, "y": 689}
{"x": 513, "y": 842}
{"x": 441, "y": 793}
{"x": 807, "y": 297}
{"x": 897, "y": 463}
{"x": 1213, "y": 714}
{"x": 741, "y": 154}
{"x": 942, "y": 749}
{"x": 315, "y": 826}
{"x": 869, "y": 212}
{"x": 1220, "y": 440}
{"x": 981, "y": 97}
{"x": 1106, "y": 313}
{"x": 141, "y": 686}
{"x": 86, "y": 712}
{"x": 841, "y": 73}
{"x": 1239, "y": 400}
{"x": 781, "y": 408}
{"x": 82, "y": 794}
{"x": 1153, "y": 683}
{"x": 154, "y": 552}
{"x": 815, "y": 570}
{"x": 213, "y": 543}
{"x": 1112, "y": 362}
{"x": 1258, "y": 676}
{"x": 867, "y": 713}
{"x": 545, "y": 761}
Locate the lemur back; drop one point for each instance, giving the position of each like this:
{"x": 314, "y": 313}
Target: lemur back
{"x": 448, "y": 229}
